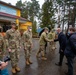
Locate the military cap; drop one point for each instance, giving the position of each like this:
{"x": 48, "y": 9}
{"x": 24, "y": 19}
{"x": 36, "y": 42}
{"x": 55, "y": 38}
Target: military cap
{"x": 13, "y": 23}
{"x": 46, "y": 28}
{"x": 53, "y": 30}
{"x": 30, "y": 27}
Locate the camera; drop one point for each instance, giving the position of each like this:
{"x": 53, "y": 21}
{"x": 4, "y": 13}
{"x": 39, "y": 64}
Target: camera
{"x": 7, "y": 58}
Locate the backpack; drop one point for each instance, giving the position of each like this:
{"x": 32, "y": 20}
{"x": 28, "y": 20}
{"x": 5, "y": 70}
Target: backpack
{"x": 72, "y": 41}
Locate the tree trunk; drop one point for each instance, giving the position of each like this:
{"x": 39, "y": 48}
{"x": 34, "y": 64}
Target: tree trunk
{"x": 63, "y": 16}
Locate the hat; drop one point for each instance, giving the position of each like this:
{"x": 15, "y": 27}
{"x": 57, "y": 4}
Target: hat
{"x": 30, "y": 27}
{"x": 53, "y": 30}
{"x": 46, "y": 28}
{"x": 13, "y": 23}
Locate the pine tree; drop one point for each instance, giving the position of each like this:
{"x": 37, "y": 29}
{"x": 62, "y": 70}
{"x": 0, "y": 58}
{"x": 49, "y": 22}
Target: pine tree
{"x": 47, "y": 14}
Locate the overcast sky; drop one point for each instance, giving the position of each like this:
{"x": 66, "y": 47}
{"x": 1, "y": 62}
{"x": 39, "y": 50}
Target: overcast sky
{"x": 13, "y": 2}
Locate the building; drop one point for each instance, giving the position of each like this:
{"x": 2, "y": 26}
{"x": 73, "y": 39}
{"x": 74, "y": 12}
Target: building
{"x": 10, "y": 13}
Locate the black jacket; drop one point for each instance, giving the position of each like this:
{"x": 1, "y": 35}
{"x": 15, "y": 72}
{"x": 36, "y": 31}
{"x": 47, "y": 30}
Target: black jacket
{"x": 69, "y": 46}
{"x": 62, "y": 41}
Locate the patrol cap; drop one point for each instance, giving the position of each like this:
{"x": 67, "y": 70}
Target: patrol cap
{"x": 53, "y": 30}
{"x": 46, "y": 28}
{"x": 13, "y": 23}
{"x": 17, "y": 25}
{"x": 30, "y": 27}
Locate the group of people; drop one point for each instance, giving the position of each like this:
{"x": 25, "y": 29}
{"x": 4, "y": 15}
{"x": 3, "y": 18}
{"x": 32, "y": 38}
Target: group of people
{"x": 13, "y": 42}
{"x": 67, "y": 47}
{"x": 45, "y": 37}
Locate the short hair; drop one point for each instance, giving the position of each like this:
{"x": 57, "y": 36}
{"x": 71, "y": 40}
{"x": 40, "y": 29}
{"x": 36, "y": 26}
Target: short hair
{"x": 58, "y": 28}
{"x": 72, "y": 29}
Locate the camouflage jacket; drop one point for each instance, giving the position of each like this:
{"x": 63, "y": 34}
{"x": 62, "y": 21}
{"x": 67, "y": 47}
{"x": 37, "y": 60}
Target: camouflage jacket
{"x": 53, "y": 35}
{"x": 50, "y": 35}
{"x": 27, "y": 38}
{"x": 2, "y": 44}
{"x": 13, "y": 37}
{"x": 43, "y": 39}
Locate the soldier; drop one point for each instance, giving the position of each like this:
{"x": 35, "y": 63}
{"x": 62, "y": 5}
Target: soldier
{"x": 50, "y": 37}
{"x": 42, "y": 42}
{"x": 27, "y": 43}
{"x": 2, "y": 47}
{"x": 13, "y": 37}
{"x": 53, "y": 37}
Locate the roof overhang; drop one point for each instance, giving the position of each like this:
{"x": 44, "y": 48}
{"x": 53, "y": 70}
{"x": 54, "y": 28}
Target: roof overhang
{"x": 8, "y": 17}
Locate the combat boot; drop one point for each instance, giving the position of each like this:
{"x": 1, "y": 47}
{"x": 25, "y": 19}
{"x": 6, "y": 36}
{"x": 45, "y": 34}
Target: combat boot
{"x": 13, "y": 70}
{"x": 37, "y": 55}
{"x": 30, "y": 61}
{"x": 17, "y": 69}
{"x": 27, "y": 62}
{"x": 44, "y": 58}
{"x": 53, "y": 48}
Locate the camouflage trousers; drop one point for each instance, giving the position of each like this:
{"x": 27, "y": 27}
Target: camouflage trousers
{"x": 14, "y": 57}
{"x": 1, "y": 56}
{"x": 41, "y": 50}
{"x": 27, "y": 51}
{"x": 52, "y": 46}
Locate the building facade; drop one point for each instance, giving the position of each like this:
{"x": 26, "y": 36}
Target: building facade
{"x": 10, "y": 13}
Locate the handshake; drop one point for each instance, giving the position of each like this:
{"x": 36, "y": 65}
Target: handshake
{"x": 4, "y": 63}
{"x": 51, "y": 40}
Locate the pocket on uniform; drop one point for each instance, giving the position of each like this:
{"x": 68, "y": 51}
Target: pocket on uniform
{"x": 12, "y": 45}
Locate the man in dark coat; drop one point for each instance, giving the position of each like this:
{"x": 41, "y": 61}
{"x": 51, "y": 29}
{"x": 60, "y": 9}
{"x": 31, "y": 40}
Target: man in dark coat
{"x": 70, "y": 51}
{"x": 62, "y": 43}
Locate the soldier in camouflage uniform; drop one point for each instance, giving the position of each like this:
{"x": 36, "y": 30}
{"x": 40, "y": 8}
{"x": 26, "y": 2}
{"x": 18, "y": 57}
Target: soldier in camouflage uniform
{"x": 13, "y": 37}
{"x": 42, "y": 42}
{"x": 27, "y": 43}
{"x": 52, "y": 36}
{"x": 2, "y": 47}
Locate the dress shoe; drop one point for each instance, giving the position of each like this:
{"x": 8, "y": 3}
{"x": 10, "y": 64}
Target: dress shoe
{"x": 58, "y": 64}
{"x": 66, "y": 63}
{"x": 66, "y": 73}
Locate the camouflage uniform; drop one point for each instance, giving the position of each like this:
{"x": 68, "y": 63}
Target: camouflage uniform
{"x": 42, "y": 42}
{"x": 27, "y": 43}
{"x": 13, "y": 37}
{"x": 2, "y": 47}
{"x": 52, "y": 36}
